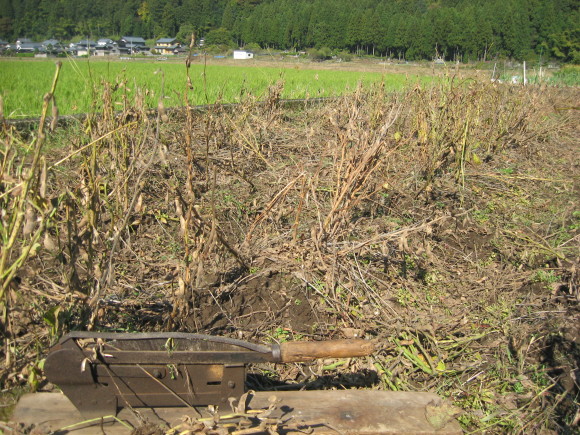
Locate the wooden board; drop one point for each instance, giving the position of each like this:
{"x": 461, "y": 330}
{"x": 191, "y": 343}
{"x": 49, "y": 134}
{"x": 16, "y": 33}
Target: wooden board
{"x": 344, "y": 411}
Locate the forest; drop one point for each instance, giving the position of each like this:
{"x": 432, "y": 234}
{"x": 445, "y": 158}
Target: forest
{"x": 463, "y": 30}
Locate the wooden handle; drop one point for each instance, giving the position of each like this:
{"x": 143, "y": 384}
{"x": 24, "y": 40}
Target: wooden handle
{"x": 299, "y": 351}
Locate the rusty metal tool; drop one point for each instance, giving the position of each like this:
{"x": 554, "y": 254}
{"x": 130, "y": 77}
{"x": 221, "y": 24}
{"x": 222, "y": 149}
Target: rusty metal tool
{"x": 103, "y": 372}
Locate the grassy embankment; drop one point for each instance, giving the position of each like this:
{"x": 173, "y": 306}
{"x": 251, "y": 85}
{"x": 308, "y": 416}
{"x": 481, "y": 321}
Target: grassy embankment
{"x": 22, "y": 83}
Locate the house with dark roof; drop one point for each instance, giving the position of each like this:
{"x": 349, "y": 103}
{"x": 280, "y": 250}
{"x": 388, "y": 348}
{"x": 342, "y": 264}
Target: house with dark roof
{"x": 52, "y": 42}
{"x": 104, "y": 42}
{"x": 132, "y": 44}
{"x": 52, "y": 46}
{"x": 105, "y": 47}
{"x": 28, "y": 47}
{"x": 166, "y": 45}
{"x": 84, "y": 47}
{"x": 134, "y": 40}
{"x": 86, "y": 43}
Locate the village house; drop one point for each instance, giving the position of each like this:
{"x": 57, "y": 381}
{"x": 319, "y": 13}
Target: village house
{"x": 51, "y": 43}
{"x": 28, "y": 47}
{"x": 85, "y": 47}
{"x": 132, "y": 44}
{"x": 52, "y": 46}
{"x": 166, "y": 46}
{"x": 105, "y": 47}
{"x": 106, "y": 43}
{"x": 25, "y": 45}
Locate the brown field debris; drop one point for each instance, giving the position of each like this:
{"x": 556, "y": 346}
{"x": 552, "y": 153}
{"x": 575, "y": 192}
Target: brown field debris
{"x": 442, "y": 221}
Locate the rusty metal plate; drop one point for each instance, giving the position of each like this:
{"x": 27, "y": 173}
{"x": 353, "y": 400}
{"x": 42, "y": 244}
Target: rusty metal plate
{"x": 101, "y": 373}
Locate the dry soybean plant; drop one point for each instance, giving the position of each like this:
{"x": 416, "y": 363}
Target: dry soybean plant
{"x": 369, "y": 206}
{"x": 26, "y": 211}
{"x": 70, "y": 234}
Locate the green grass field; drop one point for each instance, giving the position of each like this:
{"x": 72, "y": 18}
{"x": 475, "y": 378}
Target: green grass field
{"x": 23, "y": 83}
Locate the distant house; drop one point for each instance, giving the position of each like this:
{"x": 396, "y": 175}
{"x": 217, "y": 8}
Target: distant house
{"x": 52, "y": 46}
{"x": 105, "y": 46}
{"x": 86, "y": 43}
{"x": 133, "y": 40}
{"x": 52, "y": 42}
{"x": 85, "y": 47}
{"x": 166, "y": 45}
{"x": 103, "y": 42}
{"x": 165, "y": 42}
{"x": 243, "y": 54}
{"x": 132, "y": 44}
{"x": 25, "y": 45}
{"x": 28, "y": 47}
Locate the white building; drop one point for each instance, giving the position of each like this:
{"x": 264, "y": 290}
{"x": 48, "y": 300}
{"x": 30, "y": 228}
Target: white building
{"x": 243, "y": 54}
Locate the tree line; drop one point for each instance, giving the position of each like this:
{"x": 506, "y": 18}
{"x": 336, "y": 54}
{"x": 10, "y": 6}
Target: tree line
{"x": 407, "y": 29}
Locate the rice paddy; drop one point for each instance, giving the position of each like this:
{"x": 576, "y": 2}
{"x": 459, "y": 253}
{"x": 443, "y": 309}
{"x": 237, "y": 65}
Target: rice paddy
{"x": 24, "y": 82}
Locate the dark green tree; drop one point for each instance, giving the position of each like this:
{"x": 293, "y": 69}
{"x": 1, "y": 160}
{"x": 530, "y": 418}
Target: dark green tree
{"x": 418, "y": 29}
{"x": 565, "y": 46}
{"x": 219, "y": 36}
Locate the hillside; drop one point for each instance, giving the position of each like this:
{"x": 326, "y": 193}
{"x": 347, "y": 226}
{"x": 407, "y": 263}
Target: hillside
{"x": 418, "y": 29}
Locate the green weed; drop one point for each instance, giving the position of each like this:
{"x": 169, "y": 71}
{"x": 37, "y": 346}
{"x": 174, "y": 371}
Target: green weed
{"x": 545, "y": 277}
{"x": 569, "y": 75}
{"x": 404, "y": 297}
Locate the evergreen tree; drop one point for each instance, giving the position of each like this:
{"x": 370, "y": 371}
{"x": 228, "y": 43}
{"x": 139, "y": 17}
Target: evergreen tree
{"x": 418, "y": 29}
